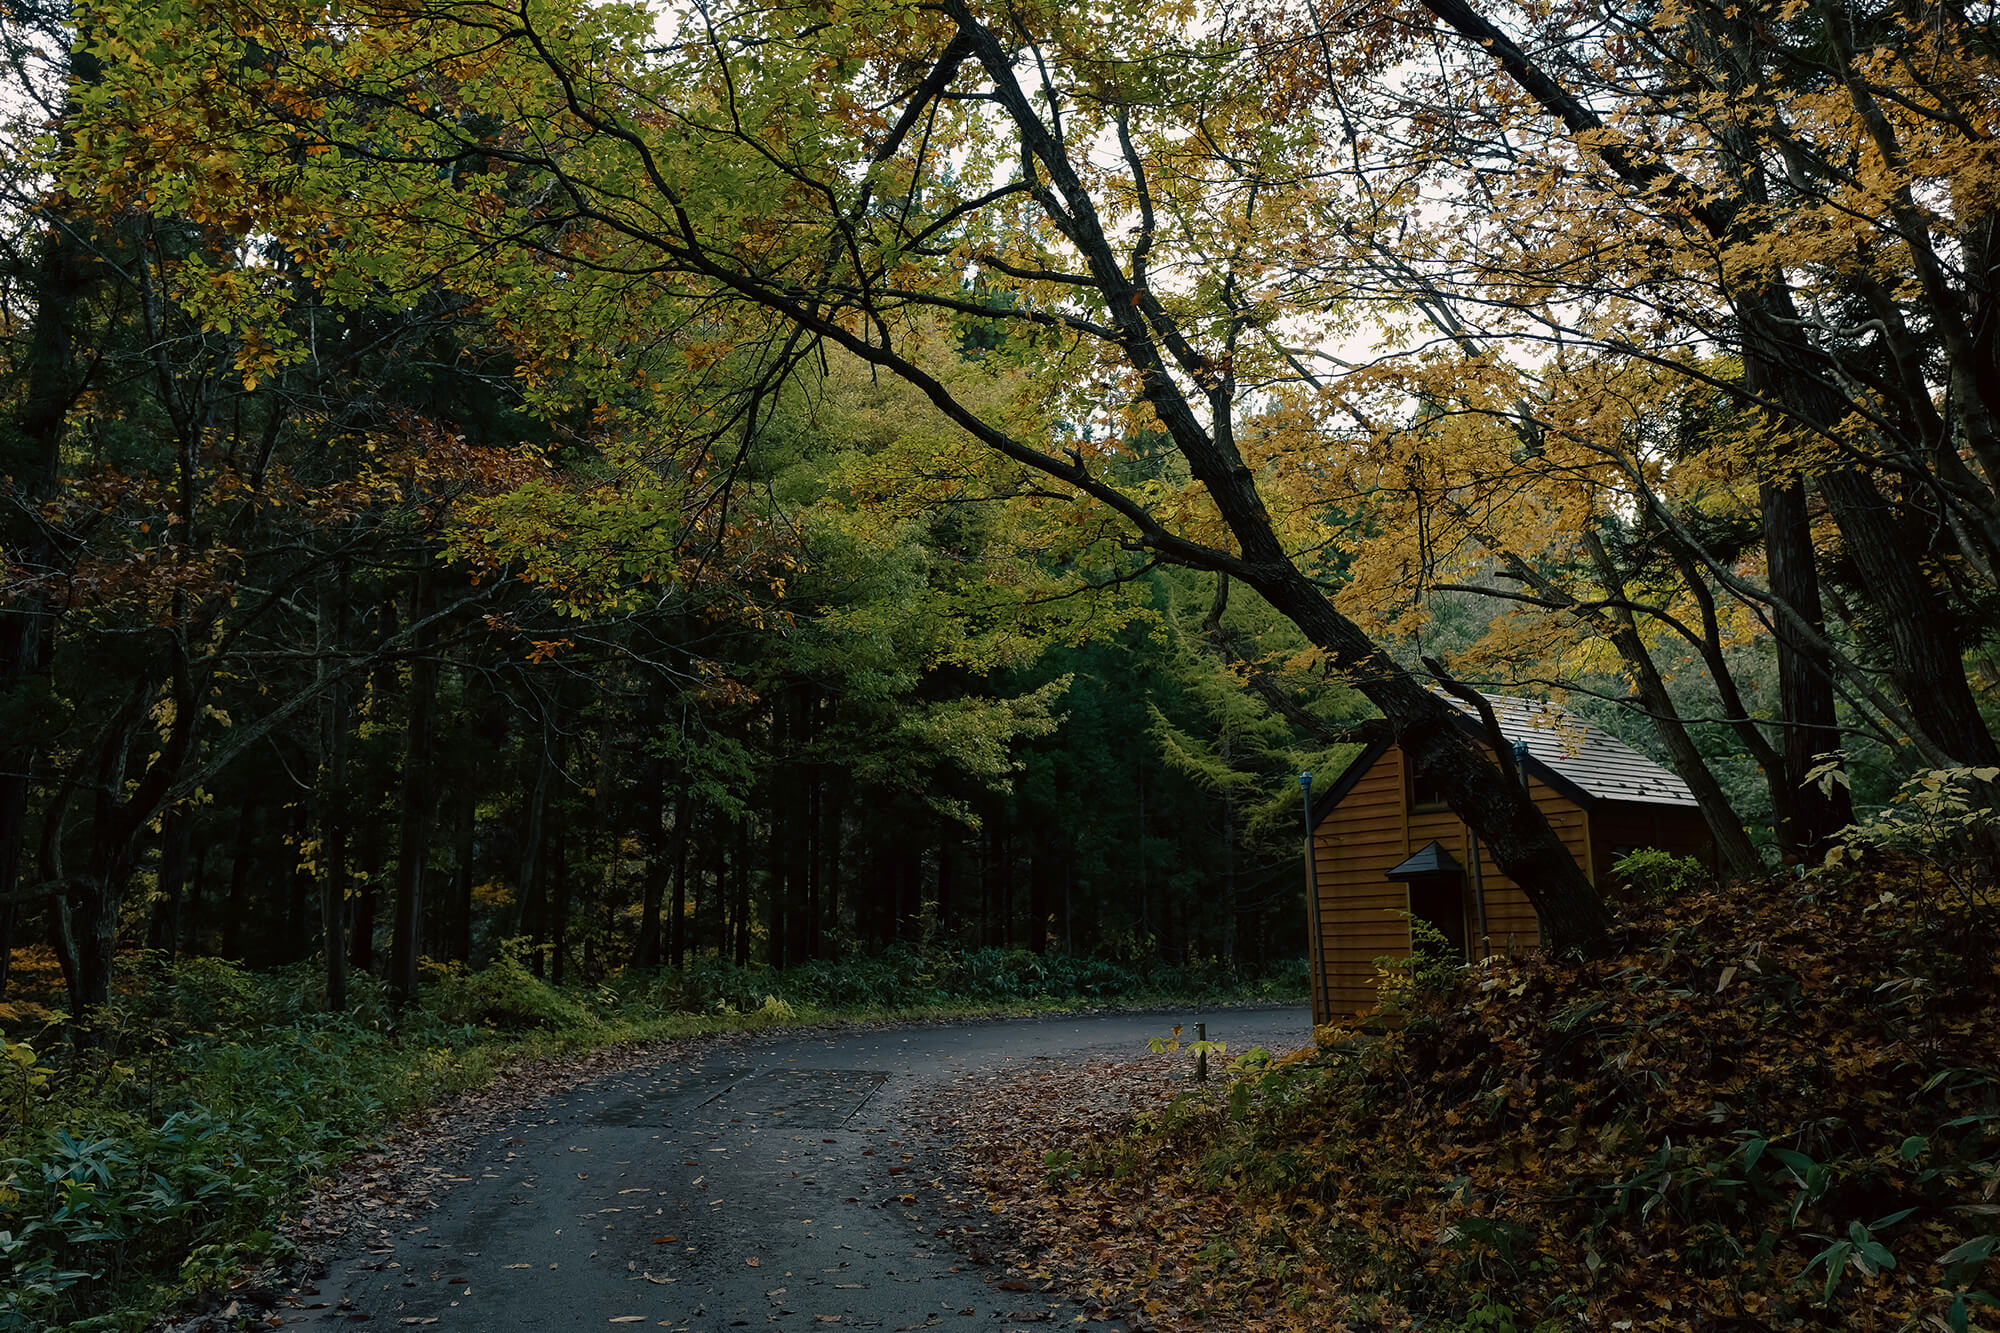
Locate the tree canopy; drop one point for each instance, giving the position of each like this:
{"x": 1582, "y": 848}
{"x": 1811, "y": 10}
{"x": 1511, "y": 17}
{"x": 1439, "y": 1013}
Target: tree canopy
{"x": 799, "y": 400}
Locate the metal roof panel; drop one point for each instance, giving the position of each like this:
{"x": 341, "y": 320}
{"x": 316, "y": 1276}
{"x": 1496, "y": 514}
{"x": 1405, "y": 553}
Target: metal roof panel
{"x": 1603, "y": 767}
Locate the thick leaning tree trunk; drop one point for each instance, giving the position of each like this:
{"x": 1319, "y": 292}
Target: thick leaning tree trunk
{"x": 1573, "y": 916}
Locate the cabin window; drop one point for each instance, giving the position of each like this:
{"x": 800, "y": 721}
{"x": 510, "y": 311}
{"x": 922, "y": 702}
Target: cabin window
{"x": 1424, "y": 795}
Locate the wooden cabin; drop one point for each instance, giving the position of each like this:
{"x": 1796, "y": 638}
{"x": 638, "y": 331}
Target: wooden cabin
{"x": 1383, "y": 847}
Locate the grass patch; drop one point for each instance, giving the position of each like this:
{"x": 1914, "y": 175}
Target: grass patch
{"x": 145, "y": 1172}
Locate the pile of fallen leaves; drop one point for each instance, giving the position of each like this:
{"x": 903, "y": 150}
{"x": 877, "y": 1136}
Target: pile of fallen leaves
{"x": 1775, "y": 1107}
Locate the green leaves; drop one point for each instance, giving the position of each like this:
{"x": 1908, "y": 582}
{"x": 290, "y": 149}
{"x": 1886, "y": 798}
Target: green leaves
{"x": 1859, "y": 1251}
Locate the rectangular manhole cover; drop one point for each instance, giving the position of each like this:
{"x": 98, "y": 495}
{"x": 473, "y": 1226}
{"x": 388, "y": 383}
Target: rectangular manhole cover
{"x": 807, "y": 1098}
{"x": 638, "y": 1108}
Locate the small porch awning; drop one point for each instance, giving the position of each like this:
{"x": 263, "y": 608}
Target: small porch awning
{"x": 1432, "y": 859}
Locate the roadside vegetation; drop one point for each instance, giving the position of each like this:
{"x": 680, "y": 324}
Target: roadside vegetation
{"x": 150, "y": 1170}
{"x": 1773, "y": 1107}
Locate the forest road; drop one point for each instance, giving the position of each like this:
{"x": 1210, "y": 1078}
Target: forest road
{"x": 756, "y": 1186}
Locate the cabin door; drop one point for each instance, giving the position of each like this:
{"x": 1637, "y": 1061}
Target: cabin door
{"x": 1440, "y": 900}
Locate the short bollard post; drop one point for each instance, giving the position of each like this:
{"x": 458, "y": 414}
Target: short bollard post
{"x": 1201, "y": 1053}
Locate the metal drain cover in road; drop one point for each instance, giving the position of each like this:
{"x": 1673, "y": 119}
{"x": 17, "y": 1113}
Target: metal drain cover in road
{"x": 648, "y": 1105}
{"x": 807, "y": 1098}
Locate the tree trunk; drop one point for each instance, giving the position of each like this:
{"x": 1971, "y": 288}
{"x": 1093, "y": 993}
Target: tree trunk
{"x": 1739, "y": 856}
{"x": 1227, "y": 800}
{"x": 683, "y": 829}
{"x": 413, "y": 833}
{"x": 86, "y": 912}
{"x": 1924, "y": 655}
{"x": 374, "y": 841}
{"x": 533, "y": 894}
{"x": 361, "y": 937}
{"x": 996, "y": 876}
{"x": 331, "y": 797}
{"x": 742, "y": 869}
{"x": 31, "y": 461}
{"x": 1805, "y": 684}
{"x": 944, "y": 886}
{"x": 89, "y": 932}
{"x": 239, "y": 879}
{"x": 909, "y": 923}
{"x": 302, "y": 910}
{"x": 559, "y": 908}
{"x": 776, "y": 888}
{"x": 465, "y": 849}
{"x": 717, "y": 895}
{"x": 653, "y": 801}
{"x": 1573, "y": 916}
{"x": 1769, "y": 761}
{"x": 809, "y": 937}
{"x": 163, "y": 933}
{"x": 833, "y": 795}
{"x": 1038, "y": 895}
{"x": 191, "y": 932}
{"x": 784, "y": 821}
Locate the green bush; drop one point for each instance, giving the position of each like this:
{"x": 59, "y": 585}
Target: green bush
{"x": 1653, "y": 875}
{"x": 503, "y": 994}
{"x": 1430, "y": 968}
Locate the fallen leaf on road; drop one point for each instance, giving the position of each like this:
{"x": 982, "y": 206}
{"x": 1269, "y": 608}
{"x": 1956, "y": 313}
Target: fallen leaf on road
{"x": 753, "y": 1261}
{"x": 665, "y": 1240}
{"x": 628, "y": 1319}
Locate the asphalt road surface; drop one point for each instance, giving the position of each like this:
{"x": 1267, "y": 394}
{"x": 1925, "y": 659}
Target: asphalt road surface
{"x": 754, "y": 1187}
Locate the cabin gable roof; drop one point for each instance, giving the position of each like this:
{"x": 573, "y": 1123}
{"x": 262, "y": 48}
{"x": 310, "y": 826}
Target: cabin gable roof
{"x": 1322, "y": 804}
{"x": 1586, "y": 764}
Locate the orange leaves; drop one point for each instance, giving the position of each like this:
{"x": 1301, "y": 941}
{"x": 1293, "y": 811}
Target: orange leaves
{"x": 1623, "y": 1141}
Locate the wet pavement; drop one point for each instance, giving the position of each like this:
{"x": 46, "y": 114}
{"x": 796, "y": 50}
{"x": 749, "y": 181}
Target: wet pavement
{"x": 753, "y": 1186}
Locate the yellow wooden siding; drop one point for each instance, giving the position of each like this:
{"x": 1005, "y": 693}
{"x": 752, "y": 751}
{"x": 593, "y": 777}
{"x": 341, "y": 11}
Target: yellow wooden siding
{"x": 1359, "y": 912}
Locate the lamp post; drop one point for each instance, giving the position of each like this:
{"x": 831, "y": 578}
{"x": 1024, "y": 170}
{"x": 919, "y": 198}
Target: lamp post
{"x": 1312, "y": 902}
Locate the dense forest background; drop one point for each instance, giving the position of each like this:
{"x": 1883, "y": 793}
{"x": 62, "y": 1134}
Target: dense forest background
{"x": 766, "y": 496}
{"x": 535, "y": 525}
{"x": 271, "y": 696}
{"x": 843, "y": 733}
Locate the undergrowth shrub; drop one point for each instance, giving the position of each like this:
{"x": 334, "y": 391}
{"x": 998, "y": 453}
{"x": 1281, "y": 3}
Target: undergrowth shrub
{"x": 152, "y": 1166}
{"x": 503, "y": 994}
{"x": 1650, "y": 875}
{"x": 1777, "y": 1107}
{"x": 1430, "y": 968}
